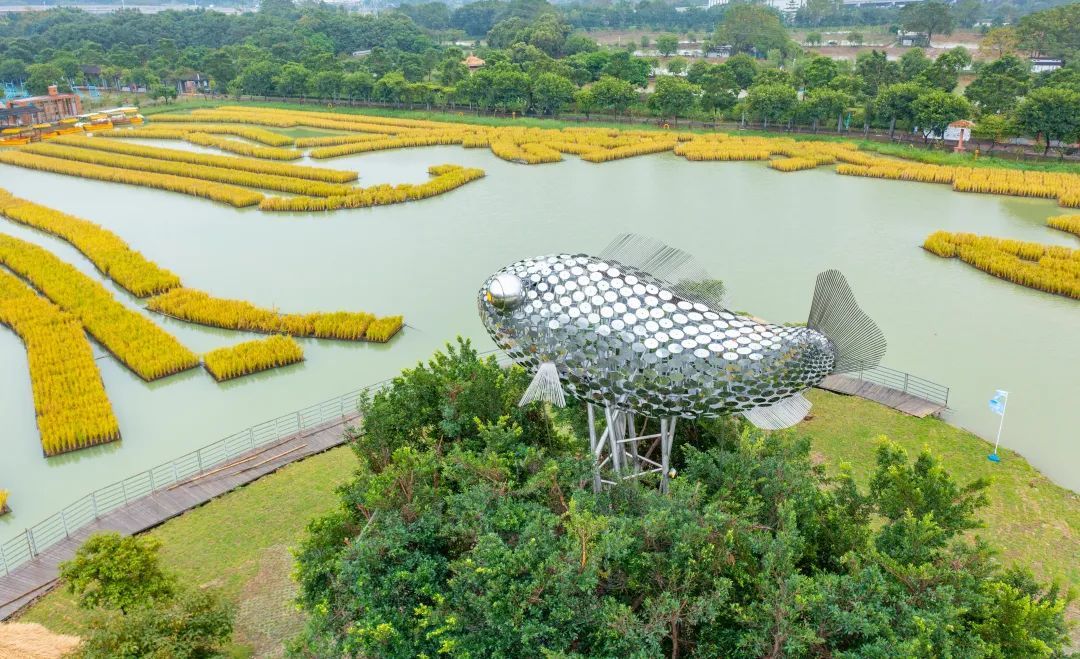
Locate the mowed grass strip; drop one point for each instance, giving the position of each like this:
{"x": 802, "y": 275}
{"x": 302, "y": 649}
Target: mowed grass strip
{"x": 201, "y": 172}
{"x": 229, "y": 194}
{"x": 149, "y": 351}
{"x": 228, "y": 162}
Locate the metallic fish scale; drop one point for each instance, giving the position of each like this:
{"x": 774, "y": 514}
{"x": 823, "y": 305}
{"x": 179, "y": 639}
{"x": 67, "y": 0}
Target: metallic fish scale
{"x": 623, "y": 338}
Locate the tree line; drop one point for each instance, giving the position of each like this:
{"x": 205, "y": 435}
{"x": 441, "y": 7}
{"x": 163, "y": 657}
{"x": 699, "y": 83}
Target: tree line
{"x": 536, "y": 63}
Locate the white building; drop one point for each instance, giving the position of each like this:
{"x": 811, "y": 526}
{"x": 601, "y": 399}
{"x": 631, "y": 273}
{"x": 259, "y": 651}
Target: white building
{"x": 1045, "y": 64}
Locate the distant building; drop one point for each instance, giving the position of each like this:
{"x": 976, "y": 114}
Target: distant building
{"x": 361, "y": 53}
{"x": 878, "y": 3}
{"x": 45, "y": 109}
{"x": 909, "y": 39}
{"x": 1045, "y": 64}
{"x": 714, "y": 3}
{"x": 25, "y": 115}
{"x": 473, "y": 62}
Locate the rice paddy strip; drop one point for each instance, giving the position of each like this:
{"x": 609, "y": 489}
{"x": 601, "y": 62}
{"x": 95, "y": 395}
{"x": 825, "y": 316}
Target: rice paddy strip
{"x": 202, "y": 172}
{"x": 1069, "y": 223}
{"x": 111, "y": 255}
{"x": 252, "y": 357}
{"x": 331, "y": 140}
{"x": 447, "y": 178}
{"x": 198, "y": 307}
{"x": 70, "y": 403}
{"x": 243, "y": 148}
{"x": 227, "y": 162}
{"x": 228, "y": 194}
{"x": 402, "y": 142}
{"x": 183, "y": 132}
{"x": 139, "y": 344}
{"x": 1049, "y": 268}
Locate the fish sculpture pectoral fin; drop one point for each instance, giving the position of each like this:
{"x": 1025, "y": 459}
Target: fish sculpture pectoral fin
{"x": 784, "y": 414}
{"x": 545, "y": 386}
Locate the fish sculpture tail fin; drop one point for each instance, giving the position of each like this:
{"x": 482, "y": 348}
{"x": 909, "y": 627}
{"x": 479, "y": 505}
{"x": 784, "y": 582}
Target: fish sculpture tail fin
{"x": 858, "y": 341}
{"x": 545, "y": 386}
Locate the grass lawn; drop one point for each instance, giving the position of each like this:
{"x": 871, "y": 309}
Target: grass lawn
{"x": 931, "y": 156}
{"x": 241, "y": 542}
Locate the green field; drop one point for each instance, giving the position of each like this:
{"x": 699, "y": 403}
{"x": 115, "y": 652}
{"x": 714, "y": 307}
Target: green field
{"x": 240, "y": 542}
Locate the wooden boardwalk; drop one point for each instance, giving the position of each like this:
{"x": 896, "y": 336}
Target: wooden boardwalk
{"x": 898, "y": 400}
{"x": 36, "y": 577}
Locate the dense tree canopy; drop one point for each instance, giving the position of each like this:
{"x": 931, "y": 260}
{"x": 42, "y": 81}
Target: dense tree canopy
{"x": 471, "y": 529}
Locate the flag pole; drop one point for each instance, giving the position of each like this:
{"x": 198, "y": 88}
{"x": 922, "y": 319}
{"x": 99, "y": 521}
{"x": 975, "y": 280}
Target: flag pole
{"x": 993, "y": 457}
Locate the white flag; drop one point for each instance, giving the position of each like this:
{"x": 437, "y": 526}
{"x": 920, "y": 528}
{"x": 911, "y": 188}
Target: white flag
{"x": 997, "y": 403}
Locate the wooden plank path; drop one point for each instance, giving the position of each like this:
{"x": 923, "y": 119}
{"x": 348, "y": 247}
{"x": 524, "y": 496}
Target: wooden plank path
{"x": 38, "y": 576}
{"x": 896, "y": 399}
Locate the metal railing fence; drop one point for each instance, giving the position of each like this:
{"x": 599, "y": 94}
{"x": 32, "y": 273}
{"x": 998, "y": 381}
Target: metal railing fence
{"x": 905, "y": 382}
{"x": 39, "y": 537}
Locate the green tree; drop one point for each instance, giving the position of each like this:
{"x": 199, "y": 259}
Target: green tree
{"x": 995, "y": 127}
{"x": 931, "y": 16}
{"x": 944, "y": 72}
{"x": 999, "y": 41}
{"x": 551, "y": 93}
{"x": 677, "y": 65}
{"x": 12, "y": 70}
{"x": 292, "y": 80}
{"x": 674, "y": 97}
{"x": 358, "y": 84}
{"x": 117, "y": 572}
{"x": 1052, "y": 112}
{"x": 1053, "y": 32}
{"x": 626, "y": 67}
{"x": 195, "y": 625}
{"x": 745, "y": 69}
{"x": 327, "y": 84}
{"x": 771, "y": 102}
{"x": 612, "y": 94}
{"x": 896, "y": 102}
{"x": 391, "y": 88}
{"x": 818, "y": 72}
{"x": 813, "y": 38}
{"x": 719, "y": 88}
{"x": 876, "y": 71}
{"x": 826, "y": 103}
{"x": 40, "y": 76}
{"x": 257, "y": 79}
{"x": 751, "y": 29}
{"x": 934, "y": 110}
{"x": 999, "y": 85}
{"x": 913, "y": 63}
{"x": 855, "y": 38}
{"x": 667, "y": 44}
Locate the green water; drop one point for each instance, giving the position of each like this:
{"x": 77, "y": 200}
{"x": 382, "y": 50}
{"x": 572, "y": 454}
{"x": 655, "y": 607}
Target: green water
{"x": 766, "y": 234}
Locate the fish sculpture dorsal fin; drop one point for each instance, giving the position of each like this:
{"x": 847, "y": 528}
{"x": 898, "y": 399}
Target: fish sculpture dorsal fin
{"x": 784, "y": 414}
{"x": 545, "y": 386}
{"x": 679, "y": 271}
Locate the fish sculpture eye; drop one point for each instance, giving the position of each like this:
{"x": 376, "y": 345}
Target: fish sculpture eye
{"x": 505, "y": 292}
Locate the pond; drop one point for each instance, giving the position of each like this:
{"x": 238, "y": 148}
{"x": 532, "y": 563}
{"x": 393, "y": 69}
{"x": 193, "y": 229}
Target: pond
{"x": 765, "y": 233}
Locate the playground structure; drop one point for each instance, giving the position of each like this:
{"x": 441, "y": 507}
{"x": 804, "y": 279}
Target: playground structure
{"x": 13, "y": 90}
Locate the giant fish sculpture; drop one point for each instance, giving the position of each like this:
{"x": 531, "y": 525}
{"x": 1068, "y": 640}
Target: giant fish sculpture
{"x": 642, "y": 328}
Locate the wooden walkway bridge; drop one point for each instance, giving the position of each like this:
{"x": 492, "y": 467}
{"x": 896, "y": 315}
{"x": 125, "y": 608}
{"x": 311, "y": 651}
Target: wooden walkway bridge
{"x": 900, "y": 391}
{"x": 37, "y": 572}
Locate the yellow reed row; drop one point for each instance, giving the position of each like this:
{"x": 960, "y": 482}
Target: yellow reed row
{"x": 201, "y": 172}
{"x": 229, "y": 194}
{"x": 1070, "y": 223}
{"x": 139, "y": 344}
{"x": 629, "y": 150}
{"x": 112, "y": 256}
{"x": 252, "y": 357}
{"x": 793, "y": 164}
{"x": 530, "y": 153}
{"x": 70, "y": 404}
{"x": 3, "y": 502}
{"x": 336, "y": 116}
{"x": 447, "y": 178}
{"x": 1049, "y": 268}
{"x": 243, "y": 148}
{"x": 333, "y": 140}
{"x": 399, "y": 142}
{"x": 198, "y": 307}
{"x": 228, "y": 162}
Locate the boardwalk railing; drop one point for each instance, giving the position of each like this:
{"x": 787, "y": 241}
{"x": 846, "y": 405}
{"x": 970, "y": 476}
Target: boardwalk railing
{"x": 904, "y": 382}
{"x": 39, "y": 537}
